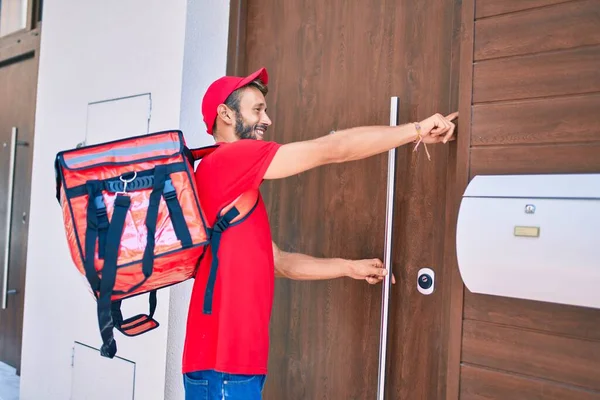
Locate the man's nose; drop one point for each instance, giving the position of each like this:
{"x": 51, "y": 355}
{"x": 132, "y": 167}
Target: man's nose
{"x": 266, "y": 120}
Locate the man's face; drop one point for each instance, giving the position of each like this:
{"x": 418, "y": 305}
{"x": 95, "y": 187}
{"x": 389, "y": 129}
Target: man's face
{"x": 252, "y": 121}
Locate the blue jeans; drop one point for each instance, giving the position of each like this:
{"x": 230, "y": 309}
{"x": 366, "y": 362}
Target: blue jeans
{"x": 213, "y": 385}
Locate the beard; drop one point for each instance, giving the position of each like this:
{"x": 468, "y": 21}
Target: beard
{"x": 247, "y": 131}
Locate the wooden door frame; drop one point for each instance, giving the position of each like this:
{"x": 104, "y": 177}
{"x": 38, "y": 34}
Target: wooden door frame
{"x": 457, "y": 178}
{"x": 236, "y": 46}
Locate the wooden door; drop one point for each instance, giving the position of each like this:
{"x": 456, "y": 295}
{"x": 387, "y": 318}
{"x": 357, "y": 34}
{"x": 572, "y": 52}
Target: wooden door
{"x": 334, "y": 65}
{"x": 18, "y": 85}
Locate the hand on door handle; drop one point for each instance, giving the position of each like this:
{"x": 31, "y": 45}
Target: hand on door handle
{"x": 372, "y": 280}
{"x": 371, "y": 270}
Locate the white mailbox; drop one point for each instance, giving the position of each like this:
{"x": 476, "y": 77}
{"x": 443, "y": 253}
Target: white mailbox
{"x": 532, "y": 237}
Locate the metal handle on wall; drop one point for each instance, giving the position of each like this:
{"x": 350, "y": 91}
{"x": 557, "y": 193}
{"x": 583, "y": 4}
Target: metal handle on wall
{"x": 387, "y": 257}
{"x": 9, "y": 208}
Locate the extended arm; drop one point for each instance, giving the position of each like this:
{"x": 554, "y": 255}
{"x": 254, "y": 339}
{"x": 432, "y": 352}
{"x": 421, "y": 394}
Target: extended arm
{"x": 303, "y": 267}
{"x": 355, "y": 144}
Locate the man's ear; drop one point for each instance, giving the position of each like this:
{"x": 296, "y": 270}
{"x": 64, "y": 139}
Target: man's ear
{"x": 225, "y": 114}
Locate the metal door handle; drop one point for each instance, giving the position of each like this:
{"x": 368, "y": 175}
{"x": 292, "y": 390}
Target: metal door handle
{"x": 387, "y": 257}
{"x": 9, "y": 209}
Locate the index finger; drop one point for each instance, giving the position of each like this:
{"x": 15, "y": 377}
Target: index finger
{"x": 453, "y": 116}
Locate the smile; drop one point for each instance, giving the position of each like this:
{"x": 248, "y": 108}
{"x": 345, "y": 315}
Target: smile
{"x": 260, "y": 130}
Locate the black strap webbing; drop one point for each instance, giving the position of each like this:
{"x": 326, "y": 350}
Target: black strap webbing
{"x": 97, "y": 225}
{"x": 154, "y": 202}
{"x": 152, "y": 303}
{"x": 143, "y": 180}
{"x": 115, "y": 311}
{"x": 177, "y": 219}
{"x": 109, "y": 274}
{"x": 109, "y": 238}
{"x": 215, "y": 240}
{"x": 163, "y": 187}
{"x": 102, "y": 225}
{"x": 117, "y": 315}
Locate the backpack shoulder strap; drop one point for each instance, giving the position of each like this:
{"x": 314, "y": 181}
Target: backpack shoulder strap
{"x": 244, "y": 205}
{"x": 233, "y": 213}
{"x": 199, "y": 153}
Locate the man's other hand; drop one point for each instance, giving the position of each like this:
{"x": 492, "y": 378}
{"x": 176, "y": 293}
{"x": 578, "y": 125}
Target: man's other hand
{"x": 371, "y": 270}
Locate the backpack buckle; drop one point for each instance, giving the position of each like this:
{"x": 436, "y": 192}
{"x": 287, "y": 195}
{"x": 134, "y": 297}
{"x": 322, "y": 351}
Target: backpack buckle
{"x": 169, "y": 190}
{"x": 100, "y": 206}
{"x": 125, "y": 182}
{"x": 221, "y": 225}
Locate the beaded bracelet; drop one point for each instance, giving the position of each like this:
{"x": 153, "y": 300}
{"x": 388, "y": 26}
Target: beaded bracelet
{"x": 419, "y": 140}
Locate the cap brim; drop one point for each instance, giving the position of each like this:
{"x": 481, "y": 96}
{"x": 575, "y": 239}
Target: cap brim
{"x": 260, "y": 74}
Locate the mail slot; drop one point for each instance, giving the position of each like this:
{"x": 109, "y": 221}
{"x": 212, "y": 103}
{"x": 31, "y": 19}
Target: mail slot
{"x": 532, "y": 237}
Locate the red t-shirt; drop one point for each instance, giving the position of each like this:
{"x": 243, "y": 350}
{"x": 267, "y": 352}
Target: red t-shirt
{"x": 235, "y": 337}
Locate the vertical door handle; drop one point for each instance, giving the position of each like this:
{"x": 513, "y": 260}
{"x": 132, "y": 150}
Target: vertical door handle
{"x": 9, "y": 209}
{"x": 387, "y": 257}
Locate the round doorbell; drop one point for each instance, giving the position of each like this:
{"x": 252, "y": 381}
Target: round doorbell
{"x": 425, "y": 281}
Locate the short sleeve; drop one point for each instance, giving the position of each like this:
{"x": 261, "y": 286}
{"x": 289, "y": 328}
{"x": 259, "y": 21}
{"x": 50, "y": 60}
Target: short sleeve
{"x": 241, "y": 166}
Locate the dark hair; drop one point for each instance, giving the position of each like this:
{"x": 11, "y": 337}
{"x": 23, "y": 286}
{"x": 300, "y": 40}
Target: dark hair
{"x": 233, "y": 101}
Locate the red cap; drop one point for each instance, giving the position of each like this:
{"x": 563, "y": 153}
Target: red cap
{"x": 219, "y": 91}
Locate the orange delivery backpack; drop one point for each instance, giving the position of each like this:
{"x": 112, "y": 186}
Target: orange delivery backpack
{"x": 134, "y": 223}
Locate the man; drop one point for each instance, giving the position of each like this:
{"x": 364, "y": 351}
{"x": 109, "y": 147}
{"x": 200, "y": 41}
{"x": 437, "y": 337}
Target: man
{"x": 226, "y": 350}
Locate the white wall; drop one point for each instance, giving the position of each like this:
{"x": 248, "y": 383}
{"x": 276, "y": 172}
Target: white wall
{"x": 94, "y": 51}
